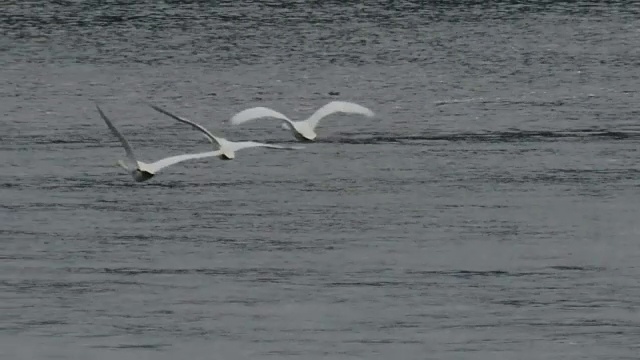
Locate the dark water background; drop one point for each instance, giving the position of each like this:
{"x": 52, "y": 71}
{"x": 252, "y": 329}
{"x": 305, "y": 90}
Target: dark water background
{"x": 488, "y": 211}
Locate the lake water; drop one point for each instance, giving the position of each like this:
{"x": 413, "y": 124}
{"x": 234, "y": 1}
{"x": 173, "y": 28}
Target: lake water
{"x": 488, "y": 211}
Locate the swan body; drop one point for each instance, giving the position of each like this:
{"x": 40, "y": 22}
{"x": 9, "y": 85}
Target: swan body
{"x": 227, "y": 149}
{"x": 141, "y": 171}
{"x": 303, "y": 130}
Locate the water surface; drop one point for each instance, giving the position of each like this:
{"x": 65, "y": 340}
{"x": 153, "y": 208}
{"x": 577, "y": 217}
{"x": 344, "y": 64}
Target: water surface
{"x": 488, "y": 211}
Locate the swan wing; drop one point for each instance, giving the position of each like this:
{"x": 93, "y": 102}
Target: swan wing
{"x": 133, "y": 163}
{"x": 337, "y": 107}
{"x": 163, "y": 163}
{"x": 199, "y": 127}
{"x": 235, "y": 146}
{"x": 257, "y": 113}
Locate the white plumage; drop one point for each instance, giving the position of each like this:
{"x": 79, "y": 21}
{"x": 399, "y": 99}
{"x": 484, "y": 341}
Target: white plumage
{"x": 141, "y": 171}
{"x": 227, "y": 148}
{"x": 303, "y": 130}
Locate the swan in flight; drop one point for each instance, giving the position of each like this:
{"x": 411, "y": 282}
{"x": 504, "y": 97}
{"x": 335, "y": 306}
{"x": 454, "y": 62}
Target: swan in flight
{"x": 302, "y": 130}
{"x": 141, "y": 171}
{"x": 227, "y": 148}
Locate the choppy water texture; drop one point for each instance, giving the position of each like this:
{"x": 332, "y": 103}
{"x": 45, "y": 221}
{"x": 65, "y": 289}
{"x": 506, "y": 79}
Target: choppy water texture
{"x": 488, "y": 211}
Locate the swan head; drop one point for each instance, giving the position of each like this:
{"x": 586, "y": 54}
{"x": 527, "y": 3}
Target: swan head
{"x": 309, "y": 137}
{"x": 306, "y": 136}
{"x": 142, "y": 175}
{"x": 227, "y": 156}
{"x": 122, "y": 165}
{"x": 303, "y": 131}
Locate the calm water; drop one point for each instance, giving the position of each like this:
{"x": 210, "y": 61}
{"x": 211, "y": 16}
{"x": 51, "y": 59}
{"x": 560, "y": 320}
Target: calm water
{"x": 488, "y": 211}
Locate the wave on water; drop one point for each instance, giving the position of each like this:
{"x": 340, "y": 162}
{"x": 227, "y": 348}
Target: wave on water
{"x": 490, "y": 137}
{"x": 388, "y": 138}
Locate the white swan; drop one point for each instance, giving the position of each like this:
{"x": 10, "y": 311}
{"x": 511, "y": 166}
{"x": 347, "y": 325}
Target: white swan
{"x": 302, "y": 130}
{"x": 141, "y": 171}
{"x": 227, "y": 148}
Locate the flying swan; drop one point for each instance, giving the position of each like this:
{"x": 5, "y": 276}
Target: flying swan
{"x": 227, "y": 148}
{"x": 302, "y": 130}
{"x": 141, "y": 171}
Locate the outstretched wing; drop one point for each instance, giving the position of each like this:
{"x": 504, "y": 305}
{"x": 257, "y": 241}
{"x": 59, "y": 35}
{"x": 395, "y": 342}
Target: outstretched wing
{"x": 337, "y": 107}
{"x": 257, "y": 113}
{"x": 163, "y": 163}
{"x": 133, "y": 163}
{"x": 235, "y": 146}
{"x": 186, "y": 121}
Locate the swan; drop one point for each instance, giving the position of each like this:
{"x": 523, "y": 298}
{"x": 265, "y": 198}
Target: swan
{"x": 227, "y": 148}
{"x": 303, "y": 130}
{"x": 141, "y": 171}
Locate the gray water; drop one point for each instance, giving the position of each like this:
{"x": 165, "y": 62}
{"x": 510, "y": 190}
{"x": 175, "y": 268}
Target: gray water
{"x": 488, "y": 211}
